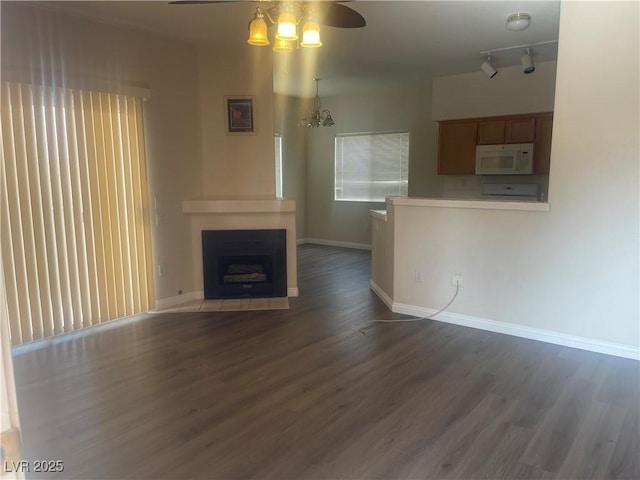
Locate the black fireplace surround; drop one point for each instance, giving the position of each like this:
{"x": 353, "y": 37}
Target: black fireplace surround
{"x": 244, "y": 263}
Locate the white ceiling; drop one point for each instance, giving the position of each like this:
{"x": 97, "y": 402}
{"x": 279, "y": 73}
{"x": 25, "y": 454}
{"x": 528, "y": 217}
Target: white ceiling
{"x": 403, "y": 40}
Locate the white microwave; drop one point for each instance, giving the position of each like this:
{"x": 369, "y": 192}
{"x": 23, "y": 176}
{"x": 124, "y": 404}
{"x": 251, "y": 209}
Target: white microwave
{"x": 513, "y": 159}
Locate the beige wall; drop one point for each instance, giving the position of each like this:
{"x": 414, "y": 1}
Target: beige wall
{"x": 573, "y": 270}
{"x": 510, "y": 92}
{"x": 55, "y": 46}
{"x": 236, "y": 165}
{"x": 287, "y": 112}
{"x": 386, "y": 110}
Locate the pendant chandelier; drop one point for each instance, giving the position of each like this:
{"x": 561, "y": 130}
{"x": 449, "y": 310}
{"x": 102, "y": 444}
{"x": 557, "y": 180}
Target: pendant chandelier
{"x": 318, "y": 117}
{"x": 286, "y": 16}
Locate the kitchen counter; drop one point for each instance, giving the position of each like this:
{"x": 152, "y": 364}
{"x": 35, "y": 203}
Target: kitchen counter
{"x": 467, "y": 203}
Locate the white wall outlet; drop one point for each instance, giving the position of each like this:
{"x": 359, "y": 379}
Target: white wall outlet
{"x": 457, "y": 279}
{"x": 418, "y": 276}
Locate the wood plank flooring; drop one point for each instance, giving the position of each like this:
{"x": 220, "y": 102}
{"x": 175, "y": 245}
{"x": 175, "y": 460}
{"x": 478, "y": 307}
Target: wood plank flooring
{"x": 304, "y": 394}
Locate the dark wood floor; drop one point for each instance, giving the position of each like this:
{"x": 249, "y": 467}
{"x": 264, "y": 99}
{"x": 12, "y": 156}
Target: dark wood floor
{"x": 303, "y": 394}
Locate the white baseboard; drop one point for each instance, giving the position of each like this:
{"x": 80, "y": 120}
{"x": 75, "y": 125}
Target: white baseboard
{"x": 381, "y": 294}
{"x": 530, "y": 333}
{"x": 176, "y": 301}
{"x": 334, "y": 243}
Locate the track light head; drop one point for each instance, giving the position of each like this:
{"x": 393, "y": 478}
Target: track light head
{"x": 527, "y": 63}
{"x": 488, "y": 68}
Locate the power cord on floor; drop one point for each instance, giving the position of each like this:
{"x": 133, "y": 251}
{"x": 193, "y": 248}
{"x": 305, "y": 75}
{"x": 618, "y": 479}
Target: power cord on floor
{"x": 404, "y": 320}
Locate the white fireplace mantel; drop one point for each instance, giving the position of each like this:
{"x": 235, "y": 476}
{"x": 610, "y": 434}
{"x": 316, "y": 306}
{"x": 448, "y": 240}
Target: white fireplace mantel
{"x": 238, "y": 206}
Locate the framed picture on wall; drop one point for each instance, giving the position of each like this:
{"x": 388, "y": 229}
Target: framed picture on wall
{"x": 240, "y": 114}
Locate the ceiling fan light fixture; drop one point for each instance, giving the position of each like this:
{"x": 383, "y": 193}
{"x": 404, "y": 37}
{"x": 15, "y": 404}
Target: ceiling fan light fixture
{"x": 258, "y": 30}
{"x": 311, "y": 35}
{"x": 287, "y": 27}
{"x": 518, "y": 21}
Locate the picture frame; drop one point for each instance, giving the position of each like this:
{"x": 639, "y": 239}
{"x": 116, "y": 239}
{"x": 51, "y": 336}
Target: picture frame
{"x": 240, "y": 114}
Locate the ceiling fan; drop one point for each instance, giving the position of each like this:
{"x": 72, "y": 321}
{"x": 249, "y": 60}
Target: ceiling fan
{"x": 287, "y": 15}
{"x": 332, "y": 14}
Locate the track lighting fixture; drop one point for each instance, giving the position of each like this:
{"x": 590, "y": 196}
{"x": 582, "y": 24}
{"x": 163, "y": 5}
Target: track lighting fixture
{"x": 526, "y": 60}
{"x": 488, "y": 68}
{"x": 527, "y": 63}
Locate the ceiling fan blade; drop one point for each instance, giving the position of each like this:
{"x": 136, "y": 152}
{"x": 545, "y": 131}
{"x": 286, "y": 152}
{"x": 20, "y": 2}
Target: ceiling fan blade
{"x": 327, "y": 13}
{"x": 336, "y": 15}
{"x": 196, "y": 2}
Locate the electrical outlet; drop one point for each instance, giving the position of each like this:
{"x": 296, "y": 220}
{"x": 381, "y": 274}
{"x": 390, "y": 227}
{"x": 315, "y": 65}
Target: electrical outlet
{"x": 418, "y": 276}
{"x": 457, "y": 279}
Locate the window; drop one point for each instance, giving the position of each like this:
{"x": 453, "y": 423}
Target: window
{"x": 74, "y": 222}
{"x": 278, "y": 156}
{"x": 371, "y": 166}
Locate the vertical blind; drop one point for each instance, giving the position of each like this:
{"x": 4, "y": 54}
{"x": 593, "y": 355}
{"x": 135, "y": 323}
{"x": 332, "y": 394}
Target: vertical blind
{"x": 75, "y": 233}
{"x": 371, "y": 166}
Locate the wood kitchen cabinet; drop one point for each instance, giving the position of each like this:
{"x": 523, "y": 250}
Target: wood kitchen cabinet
{"x": 512, "y": 129}
{"x": 457, "y": 147}
{"x": 542, "y": 143}
{"x": 458, "y": 139}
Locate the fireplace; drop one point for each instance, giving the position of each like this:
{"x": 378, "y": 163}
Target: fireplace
{"x": 244, "y": 263}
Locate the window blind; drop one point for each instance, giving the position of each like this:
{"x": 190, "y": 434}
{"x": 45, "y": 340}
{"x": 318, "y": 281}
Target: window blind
{"x": 74, "y": 221}
{"x": 370, "y": 167}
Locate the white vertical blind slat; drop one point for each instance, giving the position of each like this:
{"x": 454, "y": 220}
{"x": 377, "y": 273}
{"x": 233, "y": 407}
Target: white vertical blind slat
{"x": 6, "y": 232}
{"x": 15, "y": 216}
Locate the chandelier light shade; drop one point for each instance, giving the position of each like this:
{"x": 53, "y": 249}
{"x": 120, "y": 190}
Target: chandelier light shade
{"x": 287, "y": 27}
{"x": 282, "y": 46}
{"x": 258, "y": 35}
{"x": 311, "y": 35}
{"x": 318, "y": 116}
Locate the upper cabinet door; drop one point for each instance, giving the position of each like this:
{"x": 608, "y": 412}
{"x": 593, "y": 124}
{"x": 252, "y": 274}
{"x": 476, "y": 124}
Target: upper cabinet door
{"x": 542, "y": 147}
{"x": 491, "y": 132}
{"x": 457, "y": 148}
{"x": 496, "y": 131}
{"x": 520, "y": 130}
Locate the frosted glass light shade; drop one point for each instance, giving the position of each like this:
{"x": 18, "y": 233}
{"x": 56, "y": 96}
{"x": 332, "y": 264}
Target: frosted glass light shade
{"x": 258, "y": 32}
{"x": 282, "y": 46}
{"x": 311, "y": 35}
{"x": 287, "y": 27}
